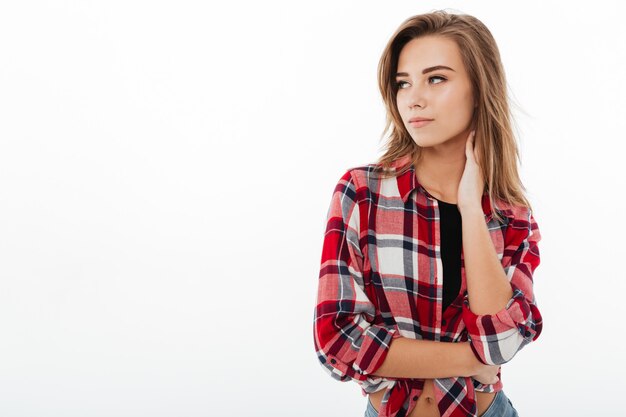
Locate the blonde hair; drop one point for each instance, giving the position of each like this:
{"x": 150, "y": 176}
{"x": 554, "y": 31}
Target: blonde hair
{"x": 495, "y": 142}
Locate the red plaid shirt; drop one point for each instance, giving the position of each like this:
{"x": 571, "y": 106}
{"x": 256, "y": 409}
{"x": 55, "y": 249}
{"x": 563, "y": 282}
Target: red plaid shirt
{"x": 381, "y": 278}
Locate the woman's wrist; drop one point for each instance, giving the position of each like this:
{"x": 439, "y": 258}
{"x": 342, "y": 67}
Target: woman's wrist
{"x": 472, "y": 363}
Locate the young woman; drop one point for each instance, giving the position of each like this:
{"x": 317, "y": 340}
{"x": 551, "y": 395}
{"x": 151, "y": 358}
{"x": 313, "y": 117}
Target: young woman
{"x": 426, "y": 278}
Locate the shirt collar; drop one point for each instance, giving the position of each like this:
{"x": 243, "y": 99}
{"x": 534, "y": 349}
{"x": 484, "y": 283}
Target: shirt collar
{"x": 408, "y": 182}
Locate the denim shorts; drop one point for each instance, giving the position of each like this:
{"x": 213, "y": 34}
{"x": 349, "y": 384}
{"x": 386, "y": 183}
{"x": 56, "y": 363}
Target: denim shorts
{"x": 501, "y": 406}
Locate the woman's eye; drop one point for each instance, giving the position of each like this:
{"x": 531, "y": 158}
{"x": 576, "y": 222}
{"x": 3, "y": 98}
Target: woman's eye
{"x": 400, "y": 84}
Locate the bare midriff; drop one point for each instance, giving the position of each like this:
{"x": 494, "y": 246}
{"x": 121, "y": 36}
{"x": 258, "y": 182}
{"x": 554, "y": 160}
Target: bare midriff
{"x": 427, "y": 404}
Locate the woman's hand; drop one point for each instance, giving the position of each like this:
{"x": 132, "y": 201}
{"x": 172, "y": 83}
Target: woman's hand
{"x": 487, "y": 374}
{"x": 472, "y": 184}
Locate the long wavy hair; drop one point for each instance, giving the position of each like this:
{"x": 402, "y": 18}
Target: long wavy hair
{"x": 494, "y": 141}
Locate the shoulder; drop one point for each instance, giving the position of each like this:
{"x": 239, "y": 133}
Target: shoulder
{"x": 514, "y": 212}
{"x": 521, "y": 223}
{"x": 351, "y": 183}
{"x": 363, "y": 169}
{"x": 366, "y": 175}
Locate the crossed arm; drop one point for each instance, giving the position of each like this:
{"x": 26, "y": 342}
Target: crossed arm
{"x": 500, "y": 320}
{"x": 350, "y": 346}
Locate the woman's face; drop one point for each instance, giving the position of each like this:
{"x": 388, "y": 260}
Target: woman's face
{"x": 443, "y": 95}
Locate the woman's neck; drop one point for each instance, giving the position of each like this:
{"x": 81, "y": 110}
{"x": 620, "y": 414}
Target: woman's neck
{"x": 439, "y": 171}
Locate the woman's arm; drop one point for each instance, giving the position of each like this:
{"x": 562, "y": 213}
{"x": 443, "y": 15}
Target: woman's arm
{"x": 488, "y": 287}
{"x": 500, "y": 312}
{"x": 348, "y": 342}
{"x": 410, "y": 358}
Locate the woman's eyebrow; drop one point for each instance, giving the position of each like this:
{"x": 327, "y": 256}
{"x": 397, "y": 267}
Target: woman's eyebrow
{"x": 426, "y": 70}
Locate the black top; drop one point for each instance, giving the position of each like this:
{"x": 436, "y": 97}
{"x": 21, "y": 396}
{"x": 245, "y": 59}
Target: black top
{"x": 451, "y": 244}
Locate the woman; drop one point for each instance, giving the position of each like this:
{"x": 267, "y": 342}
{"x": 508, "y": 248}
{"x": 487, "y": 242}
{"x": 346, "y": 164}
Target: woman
{"x": 425, "y": 284}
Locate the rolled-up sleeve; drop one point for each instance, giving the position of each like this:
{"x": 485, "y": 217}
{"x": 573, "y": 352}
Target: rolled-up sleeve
{"x": 348, "y": 344}
{"x": 496, "y": 338}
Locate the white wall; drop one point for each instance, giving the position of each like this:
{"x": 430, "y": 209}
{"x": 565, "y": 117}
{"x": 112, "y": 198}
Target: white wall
{"x": 165, "y": 173}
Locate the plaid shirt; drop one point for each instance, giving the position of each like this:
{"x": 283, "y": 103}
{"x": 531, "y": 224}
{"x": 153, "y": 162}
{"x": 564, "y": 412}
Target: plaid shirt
{"x": 381, "y": 278}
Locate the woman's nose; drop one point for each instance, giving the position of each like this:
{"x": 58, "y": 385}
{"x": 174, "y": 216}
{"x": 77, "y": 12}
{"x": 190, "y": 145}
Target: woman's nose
{"x": 416, "y": 98}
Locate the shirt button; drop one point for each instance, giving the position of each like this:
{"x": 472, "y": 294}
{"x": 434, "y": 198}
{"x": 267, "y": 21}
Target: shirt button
{"x": 415, "y": 398}
{"x": 333, "y": 361}
{"x": 443, "y": 322}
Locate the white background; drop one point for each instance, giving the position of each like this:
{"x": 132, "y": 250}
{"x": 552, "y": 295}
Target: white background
{"x": 165, "y": 173}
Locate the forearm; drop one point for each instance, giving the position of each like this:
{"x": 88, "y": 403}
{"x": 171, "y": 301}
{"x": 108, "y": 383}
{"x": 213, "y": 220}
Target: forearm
{"x": 410, "y": 358}
{"x": 488, "y": 288}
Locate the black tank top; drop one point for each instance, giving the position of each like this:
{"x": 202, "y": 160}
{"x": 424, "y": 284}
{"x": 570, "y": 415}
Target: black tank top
{"x": 451, "y": 244}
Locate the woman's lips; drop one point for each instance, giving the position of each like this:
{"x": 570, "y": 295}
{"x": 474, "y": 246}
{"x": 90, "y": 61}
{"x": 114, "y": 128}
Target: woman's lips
{"x": 420, "y": 123}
